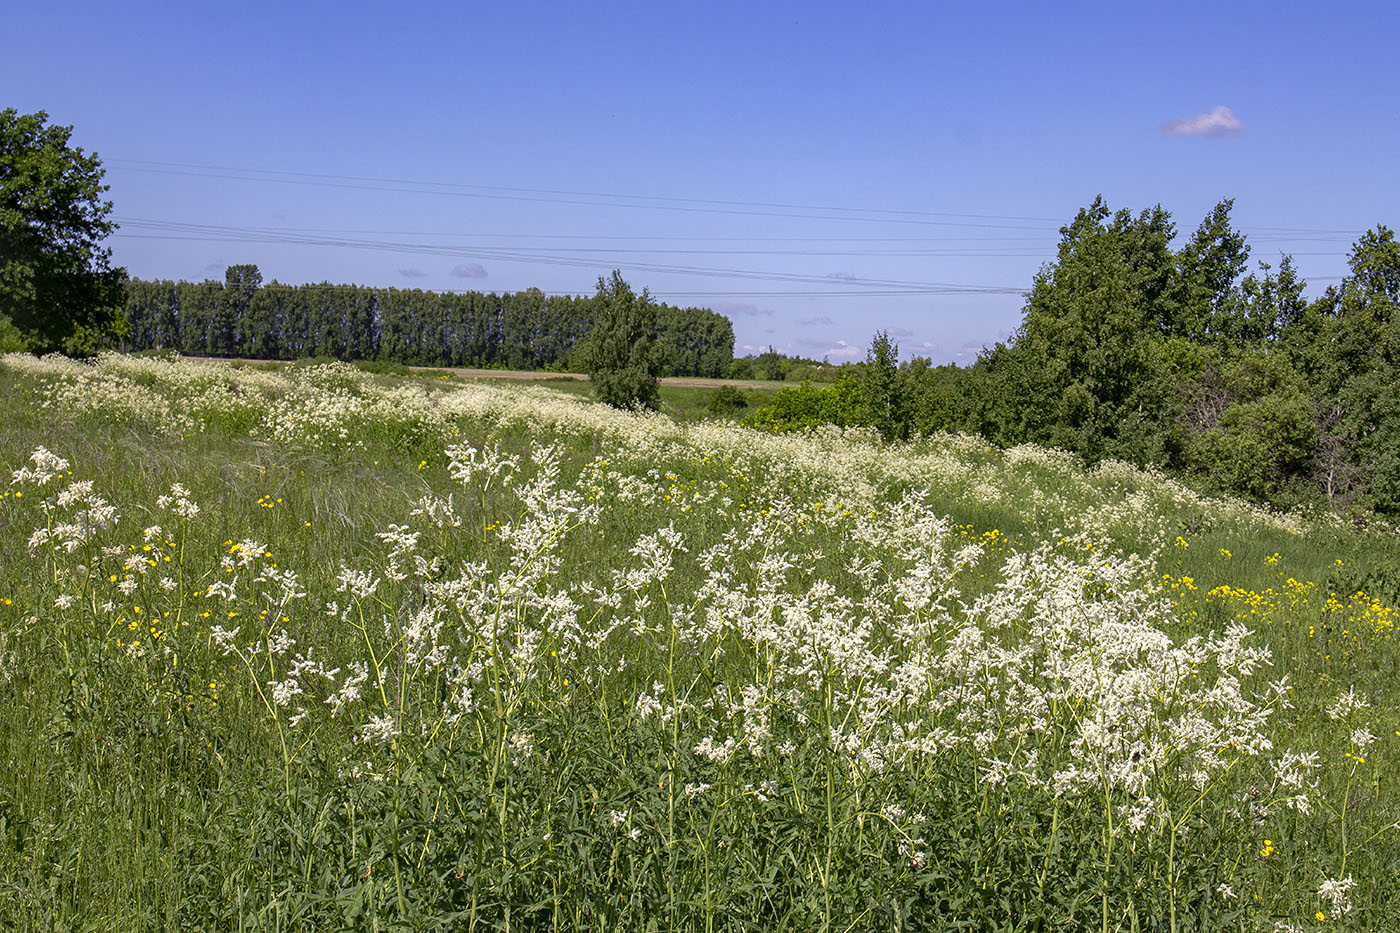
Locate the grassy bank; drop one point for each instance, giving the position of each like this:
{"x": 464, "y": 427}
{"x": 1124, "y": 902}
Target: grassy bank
{"x": 321, "y": 649}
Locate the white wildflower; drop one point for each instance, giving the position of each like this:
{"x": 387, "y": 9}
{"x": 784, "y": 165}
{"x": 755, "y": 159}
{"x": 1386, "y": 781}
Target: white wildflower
{"x": 380, "y": 729}
{"x": 522, "y": 746}
{"x": 47, "y": 466}
{"x": 1346, "y": 704}
{"x": 1335, "y": 893}
{"x": 359, "y": 584}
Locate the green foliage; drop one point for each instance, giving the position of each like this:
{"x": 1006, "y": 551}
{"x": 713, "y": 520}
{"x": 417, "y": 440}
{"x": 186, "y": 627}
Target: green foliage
{"x": 695, "y": 341}
{"x": 242, "y": 280}
{"x": 769, "y": 365}
{"x": 1129, "y": 350}
{"x": 940, "y": 398}
{"x": 801, "y": 370}
{"x": 1201, "y": 303}
{"x": 877, "y": 393}
{"x": 1258, "y": 447}
{"x": 520, "y": 330}
{"x": 57, "y": 284}
{"x": 774, "y": 366}
{"x": 387, "y": 368}
{"x": 1078, "y": 371}
{"x": 621, "y": 353}
{"x": 1248, "y": 425}
{"x": 883, "y": 390}
{"x": 726, "y": 401}
{"x": 11, "y": 340}
{"x": 796, "y": 408}
{"x": 1362, "y": 365}
{"x": 1132, "y": 350}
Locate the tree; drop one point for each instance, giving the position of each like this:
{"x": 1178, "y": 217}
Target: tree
{"x": 883, "y": 390}
{"x": 243, "y": 280}
{"x": 57, "y": 283}
{"x": 1364, "y": 365}
{"x": 1202, "y": 303}
{"x": 620, "y": 352}
{"x": 1078, "y": 373}
{"x": 769, "y": 366}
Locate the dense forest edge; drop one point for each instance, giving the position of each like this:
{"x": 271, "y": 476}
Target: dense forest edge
{"x": 1180, "y": 359}
{"x": 242, "y": 317}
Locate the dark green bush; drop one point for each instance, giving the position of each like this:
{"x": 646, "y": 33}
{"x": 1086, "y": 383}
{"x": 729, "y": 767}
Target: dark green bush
{"x": 727, "y": 400}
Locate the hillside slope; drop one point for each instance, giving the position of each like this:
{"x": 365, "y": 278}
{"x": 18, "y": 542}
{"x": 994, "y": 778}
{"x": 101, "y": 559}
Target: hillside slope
{"x": 311, "y": 648}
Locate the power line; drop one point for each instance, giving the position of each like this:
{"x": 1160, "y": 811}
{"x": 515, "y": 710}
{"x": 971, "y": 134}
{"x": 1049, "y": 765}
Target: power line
{"x": 633, "y": 202}
{"x": 272, "y": 173}
{"x": 211, "y": 232}
{"x": 658, "y": 202}
{"x": 663, "y": 295}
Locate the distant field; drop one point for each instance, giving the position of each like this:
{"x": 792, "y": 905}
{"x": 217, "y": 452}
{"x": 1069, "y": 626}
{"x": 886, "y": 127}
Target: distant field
{"x": 534, "y": 375}
{"x": 306, "y": 647}
{"x": 686, "y": 381}
{"x": 681, "y": 396}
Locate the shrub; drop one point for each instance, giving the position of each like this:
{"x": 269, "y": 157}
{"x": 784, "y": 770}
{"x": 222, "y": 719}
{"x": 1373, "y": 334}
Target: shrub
{"x": 806, "y": 406}
{"x": 727, "y": 400}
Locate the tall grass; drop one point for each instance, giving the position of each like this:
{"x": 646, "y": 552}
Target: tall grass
{"x": 310, "y": 650}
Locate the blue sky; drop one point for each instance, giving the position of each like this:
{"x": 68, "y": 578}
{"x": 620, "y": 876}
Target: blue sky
{"x": 816, "y": 171}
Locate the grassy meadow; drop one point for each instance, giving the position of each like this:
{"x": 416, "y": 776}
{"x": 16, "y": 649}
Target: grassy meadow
{"x": 312, "y": 648}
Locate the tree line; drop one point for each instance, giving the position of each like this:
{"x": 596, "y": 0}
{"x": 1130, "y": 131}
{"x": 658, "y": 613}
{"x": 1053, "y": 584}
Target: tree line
{"x": 242, "y": 317}
{"x": 1130, "y": 347}
{"x": 1133, "y": 347}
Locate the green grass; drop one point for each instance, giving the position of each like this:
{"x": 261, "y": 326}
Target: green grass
{"x": 541, "y": 665}
{"x": 680, "y": 403}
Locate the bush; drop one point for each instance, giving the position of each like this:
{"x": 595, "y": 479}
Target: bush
{"x": 11, "y": 340}
{"x": 633, "y": 387}
{"x": 727, "y": 400}
{"x": 807, "y": 406}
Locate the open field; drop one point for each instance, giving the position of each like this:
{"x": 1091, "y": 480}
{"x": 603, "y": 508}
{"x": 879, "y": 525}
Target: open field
{"x": 693, "y": 382}
{"x": 535, "y": 375}
{"x": 683, "y": 398}
{"x": 309, "y": 648}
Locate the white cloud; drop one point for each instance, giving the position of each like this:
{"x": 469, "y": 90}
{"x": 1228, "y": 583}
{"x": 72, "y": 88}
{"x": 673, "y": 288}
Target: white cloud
{"x": 843, "y": 351}
{"x": 1219, "y": 122}
{"x": 812, "y": 321}
{"x": 469, "y": 270}
{"x": 727, "y": 308}
{"x": 413, "y": 273}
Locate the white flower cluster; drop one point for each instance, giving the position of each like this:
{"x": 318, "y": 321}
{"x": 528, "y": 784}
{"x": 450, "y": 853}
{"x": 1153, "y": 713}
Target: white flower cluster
{"x": 1335, "y": 892}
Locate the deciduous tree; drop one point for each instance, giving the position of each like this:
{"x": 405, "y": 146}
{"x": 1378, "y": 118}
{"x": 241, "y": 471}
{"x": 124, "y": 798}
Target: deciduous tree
{"x": 57, "y": 283}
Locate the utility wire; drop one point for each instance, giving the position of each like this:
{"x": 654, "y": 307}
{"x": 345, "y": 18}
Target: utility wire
{"x": 178, "y": 230}
{"x": 551, "y": 194}
{"x": 658, "y": 202}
